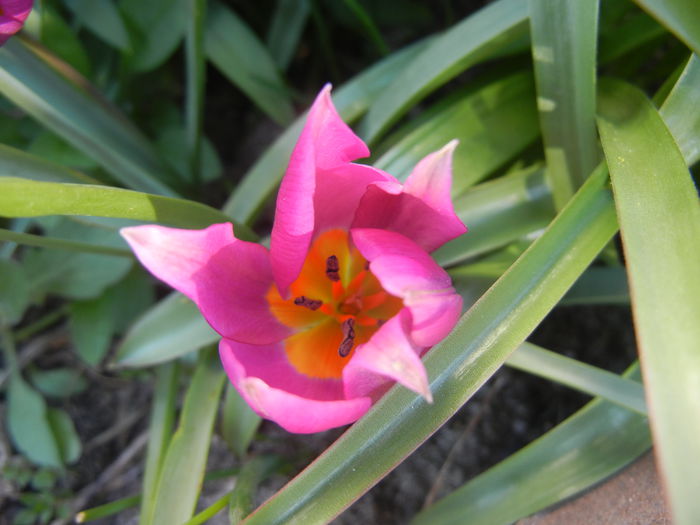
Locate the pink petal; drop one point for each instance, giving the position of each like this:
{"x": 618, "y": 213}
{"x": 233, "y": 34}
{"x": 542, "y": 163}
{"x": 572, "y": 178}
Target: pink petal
{"x": 276, "y": 391}
{"x": 326, "y": 146}
{"x": 388, "y": 354}
{"x": 12, "y": 17}
{"x": 405, "y": 270}
{"x": 227, "y": 278}
{"x": 421, "y": 209}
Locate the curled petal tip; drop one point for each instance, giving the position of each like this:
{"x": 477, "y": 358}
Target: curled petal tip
{"x": 449, "y": 147}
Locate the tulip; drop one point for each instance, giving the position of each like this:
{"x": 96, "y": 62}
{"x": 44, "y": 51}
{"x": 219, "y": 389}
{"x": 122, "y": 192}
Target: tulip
{"x": 346, "y": 300}
{"x": 13, "y": 13}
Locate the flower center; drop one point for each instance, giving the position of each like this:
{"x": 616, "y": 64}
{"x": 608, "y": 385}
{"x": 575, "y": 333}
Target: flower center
{"x": 335, "y": 304}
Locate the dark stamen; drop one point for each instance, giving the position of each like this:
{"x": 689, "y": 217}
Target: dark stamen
{"x": 380, "y": 322}
{"x": 367, "y": 265}
{"x": 348, "y": 341}
{"x": 311, "y": 304}
{"x": 332, "y": 268}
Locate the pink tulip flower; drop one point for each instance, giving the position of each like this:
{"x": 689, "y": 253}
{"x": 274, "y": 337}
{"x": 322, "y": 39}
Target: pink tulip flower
{"x": 346, "y": 300}
{"x": 13, "y": 13}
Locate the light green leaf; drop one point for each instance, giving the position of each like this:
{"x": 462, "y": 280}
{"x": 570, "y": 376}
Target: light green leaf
{"x": 499, "y": 212}
{"x": 159, "y": 27}
{"x": 182, "y": 472}
{"x": 239, "y": 423}
{"x": 351, "y": 100}
{"x": 679, "y": 16}
{"x": 564, "y": 50}
{"x": 480, "y": 36}
{"x": 589, "y": 446}
{"x": 102, "y": 18}
{"x": 172, "y": 328}
{"x": 28, "y": 198}
{"x": 492, "y": 125}
{"x": 159, "y": 434}
{"x": 14, "y": 292}
{"x": 236, "y": 51}
{"x": 457, "y": 366}
{"x": 684, "y": 125}
{"x": 58, "y": 382}
{"x": 659, "y": 213}
{"x": 64, "y": 102}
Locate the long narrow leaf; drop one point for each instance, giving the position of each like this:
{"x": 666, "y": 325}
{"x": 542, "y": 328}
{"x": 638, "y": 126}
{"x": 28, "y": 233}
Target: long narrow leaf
{"x": 659, "y": 212}
{"x": 28, "y": 198}
{"x": 563, "y": 49}
{"x": 683, "y": 124}
{"x": 17, "y": 163}
{"x": 457, "y": 367}
{"x": 182, "y": 472}
{"x": 29, "y": 239}
{"x": 479, "y": 36}
{"x": 589, "y": 446}
{"x": 64, "y": 102}
{"x": 287, "y": 24}
{"x": 679, "y": 16}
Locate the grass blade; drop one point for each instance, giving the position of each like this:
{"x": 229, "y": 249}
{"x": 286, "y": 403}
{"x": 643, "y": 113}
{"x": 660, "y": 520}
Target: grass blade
{"x": 64, "y": 102}
{"x": 679, "y": 16}
{"x": 182, "y": 472}
{"x": 564, "y": 49}
{"x": 457, "y": 367}
{"x": 684, "y": 125}
{"x": 195, "y": 72}
{"x": 589, "y": 446}
{"x": 659, "y": 212}
{"x": 287, "y": 24}
{"x": 17, "y": 163}
{"x": 42, "y": 241}
{"x": 28, "y": 198}
{"x": 479, "y": 36}
{"x": 236, "y": 51}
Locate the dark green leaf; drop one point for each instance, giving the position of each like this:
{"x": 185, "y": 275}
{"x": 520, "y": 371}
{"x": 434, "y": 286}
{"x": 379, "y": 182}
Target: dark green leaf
{"x": 239, "y": 423}
{"x": 14, "y": 292}
{"x": 103, "y": 18}
{"x": 287, "y": 24}
{"x": 58, "y": 382}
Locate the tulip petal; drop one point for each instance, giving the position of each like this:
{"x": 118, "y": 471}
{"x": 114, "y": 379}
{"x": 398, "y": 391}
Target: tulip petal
{"x": 405, "y": 270}
{"x": 226, "y": 278}
{"x": 326, "y": 146}
{"x": 13, "y": 13}
{"x": 421, "y": 209}
{"x": 390, "y": 354}
{"x": 276, "y": 391}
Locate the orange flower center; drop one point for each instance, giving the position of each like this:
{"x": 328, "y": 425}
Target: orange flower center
{"x": 335, "y": 304}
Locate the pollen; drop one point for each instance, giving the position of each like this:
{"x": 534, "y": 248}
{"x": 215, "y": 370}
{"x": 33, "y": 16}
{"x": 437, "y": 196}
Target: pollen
{"x": 336, "y": 304}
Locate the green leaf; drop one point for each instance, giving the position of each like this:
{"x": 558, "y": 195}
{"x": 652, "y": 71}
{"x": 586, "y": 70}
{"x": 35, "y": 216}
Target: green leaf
{"x": 586, "y": 448}
{"x": 194, "y": 95}
{"x": 51, "y": 147}
{"x": 64, "y": 102}
{"x": 172, "y": 328}
{"x": 62, "y": 40}
{"x": 16, "y": 163}
{"x": 600, "y": 285}
{"x": 28, "y": 198}
{"x": 243, "y": 495}
{"x": 29, "y": 426}
{"x": 478, "y": 37}
{"x": 684, "y": 125}
{"x": 679, "y": 16}
{"x": 492, "y": 125}
{"x": 102, "y": 18}
{"x": 239, "y": 423}
{"x": 580, "y": 376}
{"x": 129, "y": 298}
{"x": 287, "y": 24}
{"x": 564, "y": 50}
{"x": 182, "y": 472}
{"x": 65, "y": 435}
{"x": 659, "y": 213}
{"x": 14, "y": 292}
{"x": 92, "y": 327}
{"x": 159, "y": 434}
{"x": 172, "y": 145}
{"x": 58, "y": 382}
{"x": 457, "y": 367}
{"x": 497, "y": 213}
{"x": 351, "y": 101}
{"x": 43, "y": 241}
{"x": 158, "y": 28}
{"x": 75, "y": 275}
{"x": 236, "y": 51}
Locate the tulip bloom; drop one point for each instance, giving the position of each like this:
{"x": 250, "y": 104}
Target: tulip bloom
{"x": 346, "y": 300}
{"x": 13, "y": 13}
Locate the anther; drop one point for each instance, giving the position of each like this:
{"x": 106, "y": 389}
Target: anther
{"x": 311, "y": 304}
{"x": 348, "y": 328}
{"x": 332, "y": 268}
